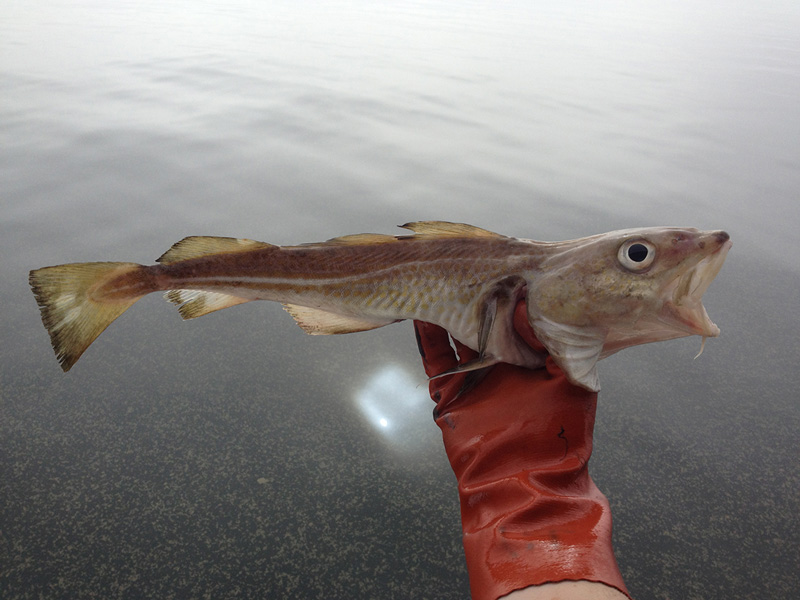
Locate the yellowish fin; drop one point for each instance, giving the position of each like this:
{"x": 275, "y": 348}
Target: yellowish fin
{"x": 321, "y": 322}
{"x": 447, "y": 229}
{"x": 72, "y": 315}
{"x": 198, "y": 246}
{"x": 196, "y": 303}
{"x": 360, "y": 239}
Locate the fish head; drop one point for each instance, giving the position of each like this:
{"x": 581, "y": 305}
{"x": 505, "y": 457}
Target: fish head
{"x": 598, "y": 295}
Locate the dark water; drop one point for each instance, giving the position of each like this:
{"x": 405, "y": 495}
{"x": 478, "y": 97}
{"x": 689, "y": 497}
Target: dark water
{"x": 235, "y": 457}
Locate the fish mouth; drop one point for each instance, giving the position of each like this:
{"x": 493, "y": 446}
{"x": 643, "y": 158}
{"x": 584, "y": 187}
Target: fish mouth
{"x": 683, "y": 305}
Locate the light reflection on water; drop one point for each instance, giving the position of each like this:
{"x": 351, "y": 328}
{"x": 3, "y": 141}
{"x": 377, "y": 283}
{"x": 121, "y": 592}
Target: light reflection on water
{"x": 392, "y": 402}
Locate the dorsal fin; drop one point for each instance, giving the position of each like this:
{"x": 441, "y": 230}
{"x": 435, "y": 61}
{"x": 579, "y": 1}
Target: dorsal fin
{"x": 359, "y": 239}
{"x": 447, "y": 229}
{"x": 199, "y": 245}
{"x": 356, "y": 239}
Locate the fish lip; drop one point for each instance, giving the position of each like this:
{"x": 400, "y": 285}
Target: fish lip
{"x": 683, "y": 307}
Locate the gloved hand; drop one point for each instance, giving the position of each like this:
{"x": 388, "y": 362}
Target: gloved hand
{"x": 519, "y": 443}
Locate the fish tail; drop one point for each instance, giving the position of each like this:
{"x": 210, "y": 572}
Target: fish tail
{"x": 78, "y": 301}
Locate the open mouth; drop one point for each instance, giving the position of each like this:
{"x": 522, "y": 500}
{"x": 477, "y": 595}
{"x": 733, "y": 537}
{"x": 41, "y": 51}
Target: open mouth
{"x": 684, "y": 305}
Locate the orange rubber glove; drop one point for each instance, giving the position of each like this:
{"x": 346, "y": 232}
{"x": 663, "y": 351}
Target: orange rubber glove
{"x": 519, "y": 442}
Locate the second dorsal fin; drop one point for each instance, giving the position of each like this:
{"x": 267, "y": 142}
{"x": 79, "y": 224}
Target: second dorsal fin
{"x": 360, "y": 239}
{"x": 447, "y": 229}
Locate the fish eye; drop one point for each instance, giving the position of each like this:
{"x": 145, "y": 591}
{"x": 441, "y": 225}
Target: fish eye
{"x": 636, "y": 255}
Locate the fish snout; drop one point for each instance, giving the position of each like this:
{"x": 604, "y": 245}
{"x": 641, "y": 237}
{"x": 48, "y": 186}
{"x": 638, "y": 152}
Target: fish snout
{"x": 712, "y": 241}
{"x": 722, "y": 241}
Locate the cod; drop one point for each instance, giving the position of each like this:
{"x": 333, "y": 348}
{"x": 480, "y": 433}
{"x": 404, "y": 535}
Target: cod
{"x": 586, "y": 298}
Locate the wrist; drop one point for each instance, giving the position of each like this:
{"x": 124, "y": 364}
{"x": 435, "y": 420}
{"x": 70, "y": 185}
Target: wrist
{"x": 568, "y": 590}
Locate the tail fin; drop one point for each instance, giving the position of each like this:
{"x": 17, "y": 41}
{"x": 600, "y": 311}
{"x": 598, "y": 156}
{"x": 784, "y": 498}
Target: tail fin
{"x": 71, "y": 313}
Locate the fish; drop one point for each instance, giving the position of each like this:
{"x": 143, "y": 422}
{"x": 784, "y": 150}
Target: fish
{"x": 586, "y": 298}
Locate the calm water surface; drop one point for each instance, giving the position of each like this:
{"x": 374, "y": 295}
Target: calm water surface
{"x": 235, "y": 457}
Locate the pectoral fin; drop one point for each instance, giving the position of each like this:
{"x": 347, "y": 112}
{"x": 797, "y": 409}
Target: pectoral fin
{"x": 496, "y": 311}
{"x": 486, "y": 323}
{"x": 472, "y": 365}
{"x": 575, "y": 349}
{"x": 488, "y": 315}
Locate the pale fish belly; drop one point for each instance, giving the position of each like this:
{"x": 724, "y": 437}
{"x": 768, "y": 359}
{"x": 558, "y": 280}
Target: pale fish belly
{"x": 451, "y": 301}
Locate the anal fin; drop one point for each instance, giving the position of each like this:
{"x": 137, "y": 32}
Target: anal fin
{"x": 196, "y": 303}
{"x": 316, "y": 321}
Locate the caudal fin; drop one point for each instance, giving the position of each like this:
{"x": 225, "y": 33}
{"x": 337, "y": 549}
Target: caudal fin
{"x": 72, "y": 314}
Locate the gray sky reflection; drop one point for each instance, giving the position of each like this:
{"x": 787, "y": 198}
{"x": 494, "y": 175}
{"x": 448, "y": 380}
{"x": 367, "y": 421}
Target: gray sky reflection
{"x": 126, "y": 126}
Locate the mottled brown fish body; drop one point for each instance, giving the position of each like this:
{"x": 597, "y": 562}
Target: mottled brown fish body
{"x": 407, "y": 279}
{"x": 586, "y": 298}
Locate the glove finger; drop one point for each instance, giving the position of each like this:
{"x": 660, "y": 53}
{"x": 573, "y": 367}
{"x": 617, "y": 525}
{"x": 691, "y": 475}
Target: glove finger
{"x": 524, "y": 329}
{"x": 434, "y": 347}
{"x": 438, "y": 356}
